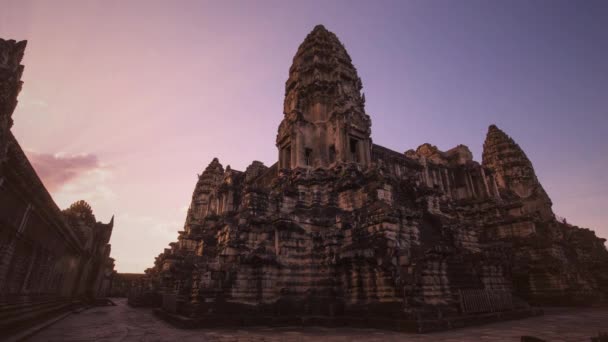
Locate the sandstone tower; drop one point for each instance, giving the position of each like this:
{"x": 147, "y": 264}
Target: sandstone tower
{"x": 514, "y": 172}
{"x": 325, "y": 121}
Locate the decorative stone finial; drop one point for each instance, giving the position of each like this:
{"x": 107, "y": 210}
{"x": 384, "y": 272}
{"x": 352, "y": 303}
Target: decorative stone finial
{"x": 82, "y": 210}
{"x": 215, "y": 165}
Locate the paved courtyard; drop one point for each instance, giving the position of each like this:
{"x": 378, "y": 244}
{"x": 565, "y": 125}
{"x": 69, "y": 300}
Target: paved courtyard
{"x": 123, "y": 323}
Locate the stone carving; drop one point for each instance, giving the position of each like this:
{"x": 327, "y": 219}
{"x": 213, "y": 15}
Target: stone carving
{"x": 348, "y": 231}
{"x": 95, "y": 237}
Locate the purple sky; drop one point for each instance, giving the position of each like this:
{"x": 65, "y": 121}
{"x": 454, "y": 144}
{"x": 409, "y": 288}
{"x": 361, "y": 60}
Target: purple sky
{"x": 124, "y": 102}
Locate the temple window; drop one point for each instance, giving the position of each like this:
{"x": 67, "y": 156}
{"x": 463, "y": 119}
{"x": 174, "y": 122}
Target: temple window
{"x": 287, "y": 157}
{"x": 353, "y": 149}
{"x": 332, "y": 153}
{"x": 308, "y": 157}
{"x": 220, "y": 204}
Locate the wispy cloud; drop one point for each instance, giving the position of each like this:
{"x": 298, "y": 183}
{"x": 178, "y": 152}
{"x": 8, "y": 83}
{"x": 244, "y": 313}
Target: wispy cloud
{"x": 57, "y": 170}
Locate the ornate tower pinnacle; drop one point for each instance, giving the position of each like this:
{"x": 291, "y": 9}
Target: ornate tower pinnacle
{"x": 325, "y": 120}
{"x": 203, "y": 198}
{"x": 514, "y": 171}
{"x": 11, "y": 54}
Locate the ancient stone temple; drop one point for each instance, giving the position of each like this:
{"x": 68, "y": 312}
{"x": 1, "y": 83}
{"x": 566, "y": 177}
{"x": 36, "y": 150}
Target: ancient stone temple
{"x": 50, "y": 260}
{"x": 343, "y": 231}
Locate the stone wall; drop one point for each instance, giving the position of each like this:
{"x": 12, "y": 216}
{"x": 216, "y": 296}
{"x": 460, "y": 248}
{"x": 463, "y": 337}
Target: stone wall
{"x": 122, "y": 283}
{"x": 44, "y": 252}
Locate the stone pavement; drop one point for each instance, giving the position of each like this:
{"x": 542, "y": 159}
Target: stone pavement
{"x": 123, "y": 323}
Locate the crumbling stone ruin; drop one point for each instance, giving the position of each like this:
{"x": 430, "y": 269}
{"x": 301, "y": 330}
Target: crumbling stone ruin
{"x": 344, "y": 231}
{"x": 50, "y": 260}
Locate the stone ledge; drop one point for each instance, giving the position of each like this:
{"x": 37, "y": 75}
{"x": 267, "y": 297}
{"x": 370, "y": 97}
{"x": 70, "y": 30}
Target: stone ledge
{"x": 418, "y": 326}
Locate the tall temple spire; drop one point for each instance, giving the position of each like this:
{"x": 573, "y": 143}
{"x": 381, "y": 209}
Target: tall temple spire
{"x": 214, "y": 167}
{"x": 503, "y": 154}
{"x": 322, "y": 68}
{"x": 203, "y": 198}
{"x": 325, "y": 120}
{"x": 514, "y": 171}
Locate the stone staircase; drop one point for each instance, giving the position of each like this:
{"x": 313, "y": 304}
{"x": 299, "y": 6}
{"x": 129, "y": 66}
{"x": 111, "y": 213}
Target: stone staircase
{"x": 20, "y": 312}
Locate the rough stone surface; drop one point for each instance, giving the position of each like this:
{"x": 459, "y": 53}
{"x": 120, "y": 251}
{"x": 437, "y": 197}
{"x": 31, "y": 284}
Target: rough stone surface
{"x": 11, "y": 54}
{"x": 341, "y": 227}
{"x": 123, "y": 323}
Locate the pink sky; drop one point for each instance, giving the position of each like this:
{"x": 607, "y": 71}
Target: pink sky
{"x": 125, "y": 102}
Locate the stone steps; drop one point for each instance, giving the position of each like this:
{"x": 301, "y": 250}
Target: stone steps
{"x": 23, "y": 313}
{"x": 8, "y": 307}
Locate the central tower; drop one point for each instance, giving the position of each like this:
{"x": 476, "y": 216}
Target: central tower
{"x": 325, "y": 123}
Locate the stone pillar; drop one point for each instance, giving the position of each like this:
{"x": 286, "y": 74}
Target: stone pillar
{"x": 495, "y": 187}
{"x": 437, "y": 174}
{"x": 9, "y": 252}
{"x": 229, "y": 206}
{"x": 281, "y": 156}
{"x": 472, "y": 184}
{"x": 427, "y": 179}
{"x": 485, "y": 182}
{"x": 468, "y": 184}
{"x": 349, "y": 155}
{"x": 339, "y": 143}
{"x": 296, "y": 151}
{"x": 447, "y": 182}
{"x": 363, "y": 147}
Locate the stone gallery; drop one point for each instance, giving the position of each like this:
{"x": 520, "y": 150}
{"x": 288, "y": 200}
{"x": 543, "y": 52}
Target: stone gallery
{"x": 343, "y": 231}
{"x": 50, "y": 260}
